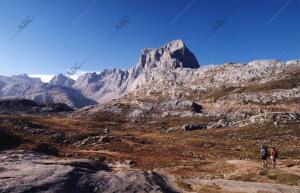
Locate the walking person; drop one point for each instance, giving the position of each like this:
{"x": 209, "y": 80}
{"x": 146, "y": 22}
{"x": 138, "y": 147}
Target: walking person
{"x": 264, "y": 152}
{"x": 274, "y": 156}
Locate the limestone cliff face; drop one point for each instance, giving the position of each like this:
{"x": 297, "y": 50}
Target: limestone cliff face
{"x": 170, "y": 56}
{"x": 111, "y": 84}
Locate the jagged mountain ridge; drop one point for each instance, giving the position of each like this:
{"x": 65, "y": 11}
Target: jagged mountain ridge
{"x": 169, "y": 70}
{"x": 229, "y": 95}
{"x": 22, "y": 86}
{"x": 163, "y": 70}
{"x": 111, "y": 84}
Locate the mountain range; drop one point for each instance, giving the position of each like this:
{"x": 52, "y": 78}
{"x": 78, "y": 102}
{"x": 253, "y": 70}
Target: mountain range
{"x": 168, "y": 70}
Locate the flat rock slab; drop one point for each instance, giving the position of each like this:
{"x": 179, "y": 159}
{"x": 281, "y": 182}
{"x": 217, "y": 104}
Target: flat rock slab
{"x": 249, "y": 187}
{"x": 28, "y": 172}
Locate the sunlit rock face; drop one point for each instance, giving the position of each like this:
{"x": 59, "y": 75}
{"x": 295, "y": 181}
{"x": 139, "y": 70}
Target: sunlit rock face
{"x": 111, "y": 84}
{"x": 170, "y": 56}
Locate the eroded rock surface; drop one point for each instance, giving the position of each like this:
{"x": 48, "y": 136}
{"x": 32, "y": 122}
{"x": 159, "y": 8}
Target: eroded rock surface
{"x": 23, "y": 171}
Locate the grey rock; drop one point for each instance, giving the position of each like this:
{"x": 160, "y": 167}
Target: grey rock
{"x": 108, "y": 85}
{"x": 170, "y": 56}
{"x": 168, "y": 130}
{"x": 30, "y": 172}
{"x": 191, "y": 127}
{"x": 220, "y": 124}
{"x": 278, "y": 117}
{"x": 96, "y": 140}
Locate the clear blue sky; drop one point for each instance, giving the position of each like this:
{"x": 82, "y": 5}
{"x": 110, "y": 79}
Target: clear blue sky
{"x": 58, "y": 37}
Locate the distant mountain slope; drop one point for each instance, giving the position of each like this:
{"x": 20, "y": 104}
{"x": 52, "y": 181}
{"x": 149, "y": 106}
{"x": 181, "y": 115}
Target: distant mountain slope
{"x": 23, "y": 86}
{"x": 25, "y": 106}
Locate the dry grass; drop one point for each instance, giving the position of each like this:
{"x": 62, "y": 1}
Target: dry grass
{"x": 284, "y": 178}
{"x": 200, "y": 153}
{"x": 269, "y": 175}
{"x": 209, "y": 189}
{"x": 185, "y": 186}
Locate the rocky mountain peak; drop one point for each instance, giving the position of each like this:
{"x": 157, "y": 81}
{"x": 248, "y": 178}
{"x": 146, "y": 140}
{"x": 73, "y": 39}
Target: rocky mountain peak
{"x": 25, "y": 76}
{"x": 169, "y": 56}
{"x": 23, "y": 79}
{"x": 62, "y": 80}
{"x": 175, "y": 45}
{"x": 87, "y": 78}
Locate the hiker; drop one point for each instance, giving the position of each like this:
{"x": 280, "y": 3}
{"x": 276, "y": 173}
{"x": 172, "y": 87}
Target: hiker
{"x": 264, "y": 155}
{"x": 274, "y": 156}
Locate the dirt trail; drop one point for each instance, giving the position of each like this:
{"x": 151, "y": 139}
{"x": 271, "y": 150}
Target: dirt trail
{"x": 249, "y": 187}
{"x": 105, "y": 152}
{"x": 292, "y": 170}
{"x": 245, "y": 167}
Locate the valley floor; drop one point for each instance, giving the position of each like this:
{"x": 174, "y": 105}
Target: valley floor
{"x": 210, "y": 160}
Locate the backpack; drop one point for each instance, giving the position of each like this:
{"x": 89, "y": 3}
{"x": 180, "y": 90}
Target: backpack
{"x": 265, "y": 152}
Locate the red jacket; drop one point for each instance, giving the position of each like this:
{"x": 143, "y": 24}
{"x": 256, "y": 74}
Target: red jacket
{"x": 274, "y": 154}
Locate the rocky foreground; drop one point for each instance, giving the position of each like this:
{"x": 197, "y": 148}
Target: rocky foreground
{"x": 22, "y": 171}
{"x": 57, "y": 153}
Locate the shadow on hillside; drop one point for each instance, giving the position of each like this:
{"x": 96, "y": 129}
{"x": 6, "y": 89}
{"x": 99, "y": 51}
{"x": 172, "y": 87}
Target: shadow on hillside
{"x": 8, "y": 141}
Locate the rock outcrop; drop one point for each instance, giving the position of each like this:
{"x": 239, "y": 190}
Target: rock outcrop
{"x": 170, "y": 56}
{"x": 23, "y": 171}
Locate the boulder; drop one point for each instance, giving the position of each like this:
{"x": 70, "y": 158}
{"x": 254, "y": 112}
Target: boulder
{"x": 220, "y": 124}
{"x": 191, "y": 127}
